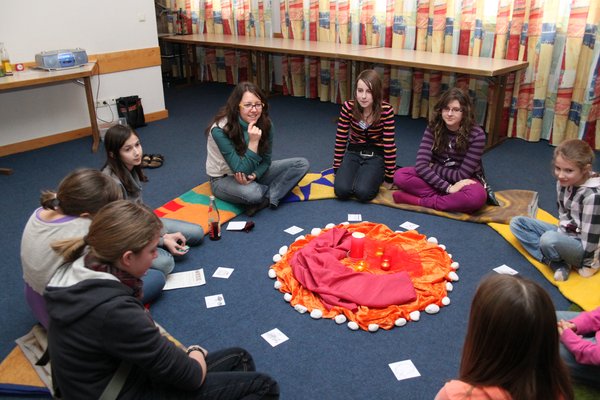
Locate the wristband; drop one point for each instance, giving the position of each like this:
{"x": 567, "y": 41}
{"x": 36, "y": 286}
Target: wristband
{"x": 195, "y": 347}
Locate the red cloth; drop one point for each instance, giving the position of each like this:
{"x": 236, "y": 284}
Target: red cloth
{"x": 318, "y": 268}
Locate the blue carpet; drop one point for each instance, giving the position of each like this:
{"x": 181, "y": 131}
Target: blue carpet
{"x": 321, "y": 360}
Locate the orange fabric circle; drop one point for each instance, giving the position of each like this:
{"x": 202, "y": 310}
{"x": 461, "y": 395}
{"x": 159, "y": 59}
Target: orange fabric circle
{"x": 427, "y": 264}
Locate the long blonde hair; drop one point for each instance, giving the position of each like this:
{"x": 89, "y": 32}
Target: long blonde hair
{"x": 118, "y": 227}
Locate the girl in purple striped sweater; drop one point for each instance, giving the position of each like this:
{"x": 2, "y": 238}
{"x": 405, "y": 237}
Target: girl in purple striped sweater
{"x": 449, "y": 157}
{"x": 365, "y": 147}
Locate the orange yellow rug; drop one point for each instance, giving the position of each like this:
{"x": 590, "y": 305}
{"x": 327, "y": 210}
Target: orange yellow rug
{"x": 405, "y": 275}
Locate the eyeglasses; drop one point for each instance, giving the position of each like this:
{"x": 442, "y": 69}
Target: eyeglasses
{"x": 454, "y": 110}
{"x": 250, "y": 106}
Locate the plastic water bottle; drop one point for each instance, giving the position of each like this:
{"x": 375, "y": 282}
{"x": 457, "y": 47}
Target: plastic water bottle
{"x": 214, "y": 220}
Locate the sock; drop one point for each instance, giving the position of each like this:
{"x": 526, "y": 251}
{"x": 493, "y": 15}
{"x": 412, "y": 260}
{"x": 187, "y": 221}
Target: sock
{"x": 586, "y": 272}
{"x": 406, "y": 198}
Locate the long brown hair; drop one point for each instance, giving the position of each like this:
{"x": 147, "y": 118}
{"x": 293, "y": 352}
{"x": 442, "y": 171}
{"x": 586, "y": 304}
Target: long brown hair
{"x": 82, "y": 191}
{"x": 512, "y": 341}
{"x": 118, "y": 227}
{"x": 231, "y": 113}
{"x": 373, "y": 81}
{"x": 114, "y": 139}
{"x": 438, "y": 126}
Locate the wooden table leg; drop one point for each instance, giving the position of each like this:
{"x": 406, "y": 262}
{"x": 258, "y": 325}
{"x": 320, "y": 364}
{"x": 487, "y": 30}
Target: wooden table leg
{"x": 496, "y": 112}
{"x": 92, "y": 110}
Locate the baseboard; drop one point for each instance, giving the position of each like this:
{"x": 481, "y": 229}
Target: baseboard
{"x": 40, "y": 142}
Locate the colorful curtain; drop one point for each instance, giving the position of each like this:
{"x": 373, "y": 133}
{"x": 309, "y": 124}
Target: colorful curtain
{"x": 557, "y": 97}
{"x": 230, "y": 17}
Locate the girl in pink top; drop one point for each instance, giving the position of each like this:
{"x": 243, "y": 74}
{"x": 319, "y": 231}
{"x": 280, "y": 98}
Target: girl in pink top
{"x": 508, "y": 354}
{"x": 580, "y": 348}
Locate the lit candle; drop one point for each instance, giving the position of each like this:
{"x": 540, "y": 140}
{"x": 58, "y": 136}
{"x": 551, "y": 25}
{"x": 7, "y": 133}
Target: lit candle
{"x": 357, "y": 245}
{"x": 385, "y": 263}
{"x": 361, "y": 266}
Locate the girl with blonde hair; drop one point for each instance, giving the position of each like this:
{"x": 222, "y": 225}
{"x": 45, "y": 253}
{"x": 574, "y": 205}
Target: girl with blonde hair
{"x": 575, "y": 242}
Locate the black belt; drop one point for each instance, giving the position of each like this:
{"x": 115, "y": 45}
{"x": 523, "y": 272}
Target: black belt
{"x": 214, "y": 178}
{"x": 365, "y": 150}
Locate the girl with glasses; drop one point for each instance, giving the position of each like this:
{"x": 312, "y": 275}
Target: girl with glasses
{"x": 239, "y": 146}
{"x": 365, "y": 148}
{"x": 448, "y": 160}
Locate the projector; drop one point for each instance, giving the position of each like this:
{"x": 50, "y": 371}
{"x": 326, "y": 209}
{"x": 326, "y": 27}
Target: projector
{"x": 61, "y": 59}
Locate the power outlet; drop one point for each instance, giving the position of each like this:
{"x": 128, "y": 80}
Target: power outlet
{"x": 105, "y": 102}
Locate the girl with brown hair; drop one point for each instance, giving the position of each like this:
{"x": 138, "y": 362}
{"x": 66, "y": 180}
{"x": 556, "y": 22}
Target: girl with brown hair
{"x": 123, "y": 164}
{"x": 448, "y": 160}
{"x": 101, "y": 334}
{"x": 239, "y": 149}
{"x": 365, "y": 148}
{"x": 66, "y": 212}
{"x": 511, "y": 351}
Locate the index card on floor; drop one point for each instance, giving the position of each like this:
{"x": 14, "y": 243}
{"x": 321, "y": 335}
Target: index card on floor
{"x": 506, "y": 270}
{"x": 409, "y": 226}
{"x": 216, "y": 300}
{"x": 222, "y": 272}
{"x": 274, "y": 337}
{"x": 292, "y": 230}
{"x": 236, "y": 225}
{"x": 185, "y": 279}
{"x": 354, "y": 217}
{"x": 404, "y": 370}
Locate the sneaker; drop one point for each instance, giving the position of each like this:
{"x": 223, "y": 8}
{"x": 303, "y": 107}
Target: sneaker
{"x": 561, "y": 274}
{"x": 586, "y": 272}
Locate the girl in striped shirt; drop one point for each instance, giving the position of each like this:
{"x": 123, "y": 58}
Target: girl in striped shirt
{"x": 449, "y": 157}
{"x": 365, "y": 147}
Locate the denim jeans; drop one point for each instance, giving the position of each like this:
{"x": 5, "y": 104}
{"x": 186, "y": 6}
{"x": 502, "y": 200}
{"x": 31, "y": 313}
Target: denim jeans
{"x": 587, "y": 374}
{"x": 359, "y": 176}
{"x": 193, "y": 233}
{"x": 231, "y": 375}
{"x": 276, "y": 182}
{"x": 546, "y": 244}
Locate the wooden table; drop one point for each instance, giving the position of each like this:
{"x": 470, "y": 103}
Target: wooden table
{"x": 32, "y": 77}
{"x": 496, "y": 70}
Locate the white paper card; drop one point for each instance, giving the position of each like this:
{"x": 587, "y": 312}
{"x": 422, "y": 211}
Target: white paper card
{"x": 236, "y": 225}
{"x": 404, "y": 370}
{"x": 354, "y": 217}
{"x": 506, "y": 270}
{"x": 409, "y": 226}
{"x": 185, "y": 279}
{"x": 292, "y": 230}
{"x": 274, "y": 337}
{"x": 222, "y": 272}
{"x": 216, "y": 300}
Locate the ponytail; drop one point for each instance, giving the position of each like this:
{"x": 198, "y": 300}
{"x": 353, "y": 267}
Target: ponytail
{"x": 69, "y": 249}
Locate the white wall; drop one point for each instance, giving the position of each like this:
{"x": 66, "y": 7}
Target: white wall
{"x": 26, "y": 28}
